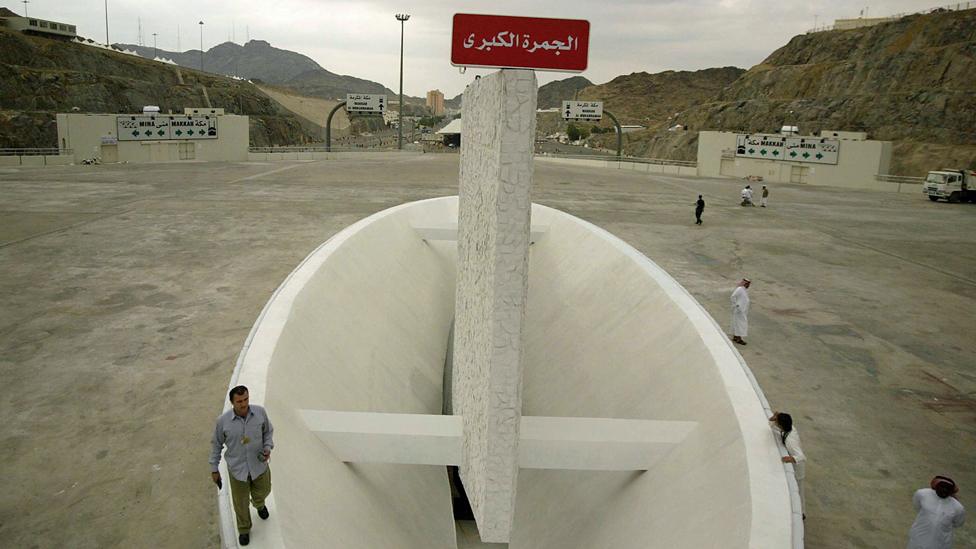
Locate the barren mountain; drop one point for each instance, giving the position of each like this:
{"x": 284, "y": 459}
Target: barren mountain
{"x": 259, "y": 60}
{"x": 909, "y": 81}
{"x": 653, "y": 99}
{"x": 40, "y": 77}
{"x": 553, "y": 94}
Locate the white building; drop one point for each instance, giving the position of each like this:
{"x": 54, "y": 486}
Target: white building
{"x": 198, "y": 134}
{"x": 838, "y": 158}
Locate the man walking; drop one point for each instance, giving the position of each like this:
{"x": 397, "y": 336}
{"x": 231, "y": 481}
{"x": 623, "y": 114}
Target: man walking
{"x": 699, "y": 208}
{"x": 247, "y": 433}
{"x": 765, "y": 197}
{"x": 740, "y": 311}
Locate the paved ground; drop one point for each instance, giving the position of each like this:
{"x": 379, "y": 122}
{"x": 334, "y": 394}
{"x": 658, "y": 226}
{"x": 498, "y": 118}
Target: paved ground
{"x": 127, "y": 292}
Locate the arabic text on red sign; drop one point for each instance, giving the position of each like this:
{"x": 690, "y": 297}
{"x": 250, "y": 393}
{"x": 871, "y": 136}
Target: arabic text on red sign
{"x": 520, "y": 42}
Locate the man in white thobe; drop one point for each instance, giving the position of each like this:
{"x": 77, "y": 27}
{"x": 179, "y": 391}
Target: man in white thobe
{"x": 740, "y": 311}
{"x": 747, "y": 196}
{"x": 939, "y": 513}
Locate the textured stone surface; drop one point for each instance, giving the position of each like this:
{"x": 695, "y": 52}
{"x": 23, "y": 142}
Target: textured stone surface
{"x": 493, "y": 240}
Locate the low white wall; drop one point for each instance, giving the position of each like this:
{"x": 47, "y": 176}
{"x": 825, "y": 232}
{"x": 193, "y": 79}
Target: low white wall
{"x": 644, "y": 167}
{"x": 36, "y": 160}
{"x": 317, "y": 155}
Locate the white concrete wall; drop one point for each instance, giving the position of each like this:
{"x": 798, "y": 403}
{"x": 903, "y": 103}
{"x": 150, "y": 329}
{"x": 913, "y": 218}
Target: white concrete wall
{"x": 642, "y": 167}
{"x": 360, "y": 325}
{"x": 858, "y": 163}
{"x": 83, "y": 134}
{"x": 609, "y": 334}
{"x": 36, "y": 160}
{"x": 365, "y": 154}
{"x": 493, "y": 243}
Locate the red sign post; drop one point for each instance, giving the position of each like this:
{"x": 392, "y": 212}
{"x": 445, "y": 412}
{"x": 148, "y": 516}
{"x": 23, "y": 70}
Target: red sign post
{"x": 520, "y": 42}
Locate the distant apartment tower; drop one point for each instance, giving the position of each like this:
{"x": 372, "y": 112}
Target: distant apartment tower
{"x": 435, "y": 102}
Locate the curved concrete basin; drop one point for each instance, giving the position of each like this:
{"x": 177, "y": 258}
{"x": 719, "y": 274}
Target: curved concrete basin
{"x": 362, "y": 325}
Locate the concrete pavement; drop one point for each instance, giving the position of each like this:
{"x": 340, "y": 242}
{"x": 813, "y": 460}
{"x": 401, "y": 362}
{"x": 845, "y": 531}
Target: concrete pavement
{"x": 129, "y": 289}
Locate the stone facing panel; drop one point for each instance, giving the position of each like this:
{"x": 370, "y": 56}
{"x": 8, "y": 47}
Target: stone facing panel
{"x": 493, "y": 242}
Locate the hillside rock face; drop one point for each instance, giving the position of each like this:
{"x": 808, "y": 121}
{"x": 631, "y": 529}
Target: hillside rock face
{"x": 40, "y": 77}
{"x": 553, "y": 94}
{"x": 653, "y": 99}
{"x": 259, "y": 60}
{"x": 255, "y": 59}
{"x": 910, "y": 81}
{"x": 328, "y": 85}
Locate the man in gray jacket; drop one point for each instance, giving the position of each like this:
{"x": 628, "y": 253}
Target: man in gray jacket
{"x": 247, "y": 433}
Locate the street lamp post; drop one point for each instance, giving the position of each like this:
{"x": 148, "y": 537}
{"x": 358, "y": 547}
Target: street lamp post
{"x": 201, "y": 46}
{"x": 155, "y": 49}
{"x": 402, "y": 18}
{"x": 106, "y": 22}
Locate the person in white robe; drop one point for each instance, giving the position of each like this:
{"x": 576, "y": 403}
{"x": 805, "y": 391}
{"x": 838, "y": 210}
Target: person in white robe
{"x": 740, "y": 311}
{"x": 939, "y": 513}
{"x": 746, "y": 195}
{"x": 782, "y": 423}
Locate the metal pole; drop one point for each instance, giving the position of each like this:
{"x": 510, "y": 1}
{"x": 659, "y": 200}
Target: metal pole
{"x": 25, "y": 6}
{"x": 328, "y": 127}
{"x": 155, "y": 49}
{"x": 402, "y": 18}
{"x": 620, "y": 133}
{"x": 201, "y": 46}
{"x": 106, "y": 22}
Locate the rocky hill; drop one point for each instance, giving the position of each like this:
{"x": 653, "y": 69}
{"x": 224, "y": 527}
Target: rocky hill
{"x": 40, "y": 77}
{"x": 910, "y": 81}
{"x": 550, "y": 95}
{"x": 652, "y": 100}
{"x": 259, "y": 60}
{"x": 255, "y": 59}
{"x": 553, "y": 94}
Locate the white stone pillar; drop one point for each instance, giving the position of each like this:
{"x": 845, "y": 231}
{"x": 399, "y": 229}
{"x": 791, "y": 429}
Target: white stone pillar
{"x": 497, "y": 140}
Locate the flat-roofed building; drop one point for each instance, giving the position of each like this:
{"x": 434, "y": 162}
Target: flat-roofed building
{"x": 836, "y": 158}
{"x": 33, "y": 25}
{"x": 435, "y": 102}
{"x": 199, "y": 134}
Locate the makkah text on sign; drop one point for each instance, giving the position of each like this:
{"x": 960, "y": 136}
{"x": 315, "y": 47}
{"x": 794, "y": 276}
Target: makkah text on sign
{"x": 365, "y": 102}
{"x": 582, "y": 110}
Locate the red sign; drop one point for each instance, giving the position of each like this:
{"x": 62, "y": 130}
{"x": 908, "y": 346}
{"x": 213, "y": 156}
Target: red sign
{"x": 520, "y": 42}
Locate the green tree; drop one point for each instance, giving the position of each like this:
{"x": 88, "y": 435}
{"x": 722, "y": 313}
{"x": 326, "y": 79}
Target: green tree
{"x": 576, "y": 133}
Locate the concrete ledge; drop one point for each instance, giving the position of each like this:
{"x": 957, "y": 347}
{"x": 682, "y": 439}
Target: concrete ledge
{"x": 365, "y": 437}
{"x": 594, "y": 444}
{"x": 322, "y": 155}
{"x": 613, "y": 163}
{"x": 597, "y": 444}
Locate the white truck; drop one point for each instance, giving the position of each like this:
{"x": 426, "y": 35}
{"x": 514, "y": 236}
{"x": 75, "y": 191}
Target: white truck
{"x": 952, "y": 185}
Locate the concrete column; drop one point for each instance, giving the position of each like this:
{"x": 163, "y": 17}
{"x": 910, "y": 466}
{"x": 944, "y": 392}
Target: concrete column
{"x": 497, "y": 142}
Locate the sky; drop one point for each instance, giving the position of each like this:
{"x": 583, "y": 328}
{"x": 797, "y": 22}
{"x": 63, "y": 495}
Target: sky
{"x": 362, "y": 38}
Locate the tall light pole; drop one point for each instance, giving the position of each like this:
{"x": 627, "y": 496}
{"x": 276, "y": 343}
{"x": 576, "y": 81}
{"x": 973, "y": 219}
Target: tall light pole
{"x": 201, "y": 46}
{"x": 25, "y": 2}
{"x": 155, "y": 49}
{"x": 106, "y": 22}
{"x": 402, "y": 18}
